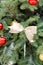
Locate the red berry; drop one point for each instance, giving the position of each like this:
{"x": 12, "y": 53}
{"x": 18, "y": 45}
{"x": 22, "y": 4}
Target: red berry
{"x": 33, "y": 2}
{"x": 1, "y": 26}
{"x": 2, "y": 41}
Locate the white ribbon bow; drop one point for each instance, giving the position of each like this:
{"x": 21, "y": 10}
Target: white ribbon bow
{"x": 29, "y": 31}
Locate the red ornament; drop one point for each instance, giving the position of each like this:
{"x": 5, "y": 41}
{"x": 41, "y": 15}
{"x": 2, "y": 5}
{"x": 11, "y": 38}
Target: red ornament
{"x": 2, "y": 41}
{"x": 1, "y": 26}
{"x": 33, "y": 2}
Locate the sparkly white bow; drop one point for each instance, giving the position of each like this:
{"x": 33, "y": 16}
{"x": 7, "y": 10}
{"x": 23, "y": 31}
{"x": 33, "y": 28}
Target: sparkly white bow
{"x": 29, "y": 31}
